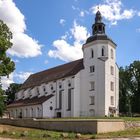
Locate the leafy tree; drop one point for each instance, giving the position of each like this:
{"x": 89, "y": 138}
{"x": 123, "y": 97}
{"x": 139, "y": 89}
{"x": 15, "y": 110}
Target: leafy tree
{"x": 134, "y": 70}
{"x": 124, "y": 90}
{"x": 130, "y": 88}
{"x": 2, "y": 99}
{"x": 10, "y": 92}
{"x": 6, "y": 65}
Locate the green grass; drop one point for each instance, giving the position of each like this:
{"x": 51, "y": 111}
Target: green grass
{"x": 36, "y": 134}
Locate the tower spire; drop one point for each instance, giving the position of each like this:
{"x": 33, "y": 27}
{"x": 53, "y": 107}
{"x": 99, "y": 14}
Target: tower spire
{"x": 98, "y": 27}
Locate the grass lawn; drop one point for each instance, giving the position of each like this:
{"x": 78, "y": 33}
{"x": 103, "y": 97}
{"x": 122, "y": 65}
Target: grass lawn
{"x": 36, "y": 134}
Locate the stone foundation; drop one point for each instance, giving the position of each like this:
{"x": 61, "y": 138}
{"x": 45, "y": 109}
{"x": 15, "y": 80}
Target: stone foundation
{"x": 68, "y": 125}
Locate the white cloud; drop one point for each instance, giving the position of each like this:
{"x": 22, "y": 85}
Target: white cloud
{"x": 79, "y": 32}
{"x": 6, "y": 81}
{"x": 14, "y": 78}
{"x": 23, "y": 44}
{"x": 138, "y": 13}
{"x": 22, "y": 76}
{"x": 113, "y": 12}
{"x": 62, "y": 21}
{"x": 82, "y": 13}
{"x": 69, "y": 52}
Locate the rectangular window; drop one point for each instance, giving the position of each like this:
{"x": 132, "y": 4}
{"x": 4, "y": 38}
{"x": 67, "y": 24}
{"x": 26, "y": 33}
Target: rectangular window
{"x": 112, "y": 100}
{"x": 112, "y": 70}
{"x": 92, "y": 69}
{"x": 112, "y": 86}
{"x": 112, "y": 54}
{"x": 60, "y": 99}
{"x": 69, "y": 99}
{"x": 92, "y": 85}
{"x": 92, "y": 100}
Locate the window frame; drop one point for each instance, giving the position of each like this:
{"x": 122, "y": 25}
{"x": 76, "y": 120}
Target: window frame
{"x": 92, "y": 69}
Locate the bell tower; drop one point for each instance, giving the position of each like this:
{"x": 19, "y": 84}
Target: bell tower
{"x": 98, "y": 27}
{"x": 100, "y": 84}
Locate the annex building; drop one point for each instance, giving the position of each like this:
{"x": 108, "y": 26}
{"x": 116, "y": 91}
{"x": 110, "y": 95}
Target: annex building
{"x": 85, "y": 87}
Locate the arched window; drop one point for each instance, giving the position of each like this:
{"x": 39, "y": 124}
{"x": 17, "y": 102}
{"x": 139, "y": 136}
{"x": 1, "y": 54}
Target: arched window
{"x": 26, "y": 113}
{"x": 103, "y": 51}
{"x": 38, "y": 112}
{"x": 32, "y": 112}
{"x": 92, "y": 53}
{"x": 112, "y": 54}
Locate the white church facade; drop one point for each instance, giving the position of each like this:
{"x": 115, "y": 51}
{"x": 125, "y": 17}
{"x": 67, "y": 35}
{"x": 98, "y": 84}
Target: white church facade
{"x": 85, "y": 87}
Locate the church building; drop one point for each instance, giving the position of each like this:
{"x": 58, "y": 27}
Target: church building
{"x": 85, "y": 87}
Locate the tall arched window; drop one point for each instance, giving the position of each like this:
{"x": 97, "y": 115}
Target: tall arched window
{"x": 32, "y": 112}
{"x": 38, "y": 112}
{"x": 112, "y": 54}
{"x": 26, "y": 113}
{"x": 103, "y": 51}
{"x": 92, "y": 53}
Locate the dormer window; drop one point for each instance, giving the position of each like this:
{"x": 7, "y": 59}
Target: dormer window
{"x": 38, "y": 91}
{"x": 44, "y": 88}
{"x": 51, "y": 87}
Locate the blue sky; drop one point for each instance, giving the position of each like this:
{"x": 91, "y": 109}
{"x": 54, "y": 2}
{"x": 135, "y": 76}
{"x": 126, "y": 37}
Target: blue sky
{"x": 47, "y": 33}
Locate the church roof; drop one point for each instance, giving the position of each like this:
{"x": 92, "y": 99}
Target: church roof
{"x": 30, "y": 101}
{"x": 99, "y": 37}
{"x": 53, "y": 74}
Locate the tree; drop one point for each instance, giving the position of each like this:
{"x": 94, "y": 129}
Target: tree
{"x": 6, "y": 65}
{"x": 129, "y": 90}
{"x": 10, "y": 92}
{"x": 124, "y": 97}
{"x": 134, "y": 70}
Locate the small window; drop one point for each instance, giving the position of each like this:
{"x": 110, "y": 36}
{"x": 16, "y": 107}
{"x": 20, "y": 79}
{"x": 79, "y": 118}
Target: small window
{"x": 112, "y": 54}
{"x": 112, "y": 86}
{"x": 92, "y": 100}
{"x": 112, "y": 100}
{"x": 112, "y": 70}
{"x": 103, "y": 51}
{"x": 38, "y": 91}
{"x": 60, "y": 86}
{"x": 92, "y": 85}
{"x": 69, "y": 83}
{"x": 92, "y": 69}
{"x": 92, "y": 53}
{"x": 51, "y": 87}
{"x": 44, "y": 88}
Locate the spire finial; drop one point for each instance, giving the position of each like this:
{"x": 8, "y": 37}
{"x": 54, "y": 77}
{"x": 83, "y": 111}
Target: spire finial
{"x": 98, "y": 7}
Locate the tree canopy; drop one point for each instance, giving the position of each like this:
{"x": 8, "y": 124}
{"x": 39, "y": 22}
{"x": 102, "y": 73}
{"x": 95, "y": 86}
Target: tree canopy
{"x": 6, "y": 64}
{"x": 10, "y": 92}
{"x": 130, "y": 88}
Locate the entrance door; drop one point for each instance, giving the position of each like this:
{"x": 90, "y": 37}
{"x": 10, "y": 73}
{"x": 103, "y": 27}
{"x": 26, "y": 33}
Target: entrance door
{"x": 58, "y": 114}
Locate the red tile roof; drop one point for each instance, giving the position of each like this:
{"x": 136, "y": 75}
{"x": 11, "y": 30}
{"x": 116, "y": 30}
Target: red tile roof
{"x": 53, "y": 74}
{"x": 28, "y": 101}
